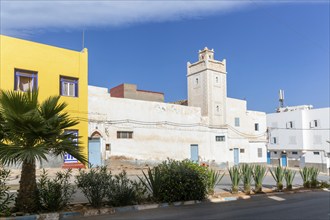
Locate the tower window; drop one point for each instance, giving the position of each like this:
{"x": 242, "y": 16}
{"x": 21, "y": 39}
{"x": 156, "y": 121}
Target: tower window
{"x": 237, "y": 124}
{"x": 216, "y": 79}
{"x": 217, "y": 108}
{"x": 196, "y": 81}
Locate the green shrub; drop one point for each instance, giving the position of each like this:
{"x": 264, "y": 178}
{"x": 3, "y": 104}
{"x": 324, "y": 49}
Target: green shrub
{"x": 123, "y": 191}
{"x": 314, "y": 172}
{"x": 278, "y": 175}
{"x": 174, "y": 180}
{"x": 214, "y": 179}
{"x": 259, "y": 173}
{"x": 94, "y": 184}
{"x": 323, "y": 184}
{"x": 235, "y": 177}
{"x": 152, "y": 181}
{"x": 289, "y": 176}
{"x": 5, "y": 197}
{"x": 55, "y": 194}
{"x": 305, "y": 175}
{"x": 246, "y": 171}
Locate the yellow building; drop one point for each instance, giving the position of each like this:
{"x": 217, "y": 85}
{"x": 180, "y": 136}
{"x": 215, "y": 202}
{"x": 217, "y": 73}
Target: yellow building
{"x": 55, "y": 71}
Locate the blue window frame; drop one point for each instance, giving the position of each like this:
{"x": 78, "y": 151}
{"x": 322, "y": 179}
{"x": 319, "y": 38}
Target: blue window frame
{"x": 68, "y": 86}
{"x": 67, "y": 157}
{"x": 25, "y": 80}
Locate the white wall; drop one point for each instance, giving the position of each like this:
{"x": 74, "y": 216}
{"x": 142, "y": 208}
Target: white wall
{"x": 308, "y": 140}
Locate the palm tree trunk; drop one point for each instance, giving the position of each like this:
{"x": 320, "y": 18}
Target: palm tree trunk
{"x": 27, "y": 198}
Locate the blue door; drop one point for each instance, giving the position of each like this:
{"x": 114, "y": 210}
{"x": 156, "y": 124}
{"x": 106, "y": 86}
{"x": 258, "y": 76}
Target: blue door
{"x": 236, "y": 156}
{"x": 194, "y": 152}
{"x": 94, "y": 152}
{"x": 268, "y": 157}
{"x": 284, "y": 160}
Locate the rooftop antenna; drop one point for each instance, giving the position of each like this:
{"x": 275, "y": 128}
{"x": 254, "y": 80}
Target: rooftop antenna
{"x": 281, "y": 98}
{"x": 83, "y": 39}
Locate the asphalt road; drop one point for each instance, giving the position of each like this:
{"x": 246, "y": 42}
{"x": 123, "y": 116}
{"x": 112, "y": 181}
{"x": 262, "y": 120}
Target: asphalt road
{"x": 298, "y": 206}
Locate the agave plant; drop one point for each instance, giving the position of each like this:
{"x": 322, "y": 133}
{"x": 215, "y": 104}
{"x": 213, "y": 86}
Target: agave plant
{"x": 235, "y": 177}
{"x": 278, "y": 175}
{"x": 289, "y": 176}
{"x": 152, "y": 181}
{"x": 246, "y": 171}
{"x": 259, "y": 173}
{"x": 305, "y": 175}
{"x": 214, "y": 178}
{"x": 314, "y": 172}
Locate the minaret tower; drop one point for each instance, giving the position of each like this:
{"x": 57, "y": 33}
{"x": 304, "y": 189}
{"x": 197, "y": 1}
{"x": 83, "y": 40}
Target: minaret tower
{"x": 207, "y": 87}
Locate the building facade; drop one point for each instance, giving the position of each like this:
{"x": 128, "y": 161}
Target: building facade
{"x": 299, "y": 137}
{"x": 26, "y": 65}
{"x": 209, "y": 127}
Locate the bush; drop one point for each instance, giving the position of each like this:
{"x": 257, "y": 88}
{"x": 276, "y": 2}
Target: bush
{"x": 214, "y": 178}
{"x": 314, "y": 172}
{"x": 246, "y": 171}
{"x": 5, "y": 197}
{"x": 259, "y": 173}
{"x": 278, "y": 175}
{"x": 305, "y": 175}
{"x": 152, "y": 181}
{"x": 55, "y": 194}
{"x": 289, "y": 176}
{"x": 175, "y": 180}
{"x": 235, "y": 177}
{"x": 123, "y": 191}
{"x": 94, "y": 184}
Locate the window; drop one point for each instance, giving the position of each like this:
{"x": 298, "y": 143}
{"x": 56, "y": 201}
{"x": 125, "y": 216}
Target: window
{"x": 237, "y": 122}
{"x": 259, "y": 152}
{"x": 316, "y": 153}
{"x": 256, "y": 127}
{"x": 314, "y": 124}
{"x": 67, "y": 157}
{"x": 25, "y": 80}
{"x": 68, "y": 86}
{"x": 274, "y": 140}
{"x": 275, "y": 152}
{"x": 242, "y": 151}
{"x": 216, "y": 79}
{"x": 290, "y": 124}
{"x": 196, "y": 81}
{"x": 217, "y": 108}
{"x": 294, "y": 152}
{"x": 220, "y": 138}
{"x": 124, "y": 134}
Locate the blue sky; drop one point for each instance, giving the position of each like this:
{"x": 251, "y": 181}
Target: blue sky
{"x": 268, "y": 46}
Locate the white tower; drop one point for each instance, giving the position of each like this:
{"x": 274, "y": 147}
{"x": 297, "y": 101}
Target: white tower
{"x": 207, "y": 87}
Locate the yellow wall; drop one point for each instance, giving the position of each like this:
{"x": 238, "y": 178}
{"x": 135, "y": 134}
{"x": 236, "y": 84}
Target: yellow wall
{"x": 50, "y": 62}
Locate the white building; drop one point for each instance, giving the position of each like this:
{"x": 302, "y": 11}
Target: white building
{"x": 210, "y": 128}
{"x": 299, "y": 136}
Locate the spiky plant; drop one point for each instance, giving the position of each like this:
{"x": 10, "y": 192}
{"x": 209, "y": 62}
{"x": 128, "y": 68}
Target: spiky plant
{"x": 235, "y": 177}
{"x": 289, "y": 176}
{"x": 214, "y": 179}
{"x": 259, "y": 173}
{"x": 246, "y": 171}
{"x": 314, "y": 172}
{"x": 278, "y": 175}
{"x": 152, "y": 181}
{"x": 305, "y": 175}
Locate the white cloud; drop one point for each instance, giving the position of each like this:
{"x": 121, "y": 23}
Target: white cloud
{"x": 31, "y": 16}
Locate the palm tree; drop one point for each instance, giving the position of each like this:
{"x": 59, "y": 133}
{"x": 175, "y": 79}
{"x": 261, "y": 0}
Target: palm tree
{"x": 29, "y": 131}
